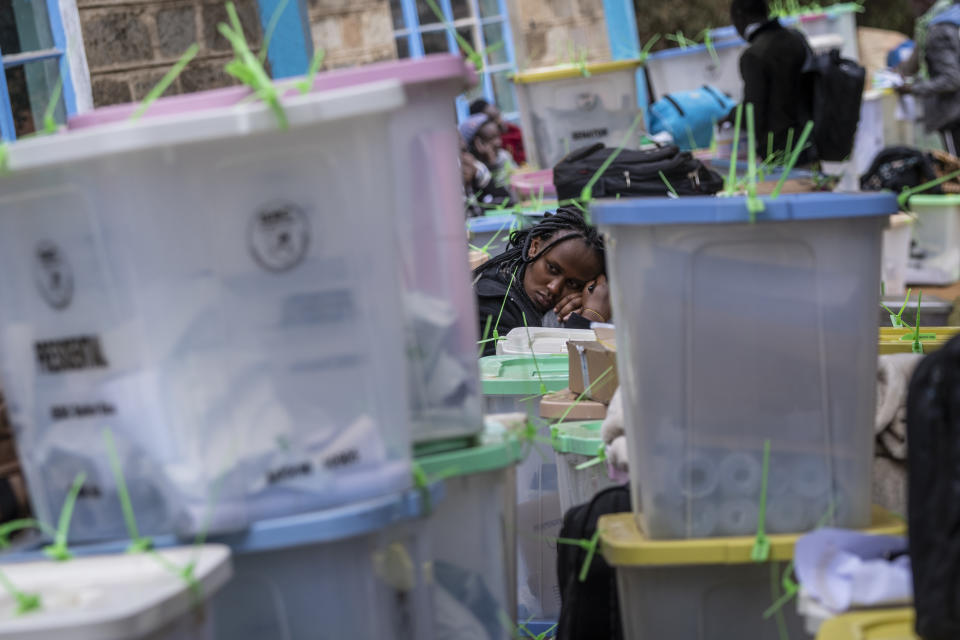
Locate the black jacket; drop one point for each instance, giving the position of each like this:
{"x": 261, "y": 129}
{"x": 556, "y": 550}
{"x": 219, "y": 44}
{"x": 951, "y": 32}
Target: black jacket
{"x": 773, "y": 80}
{"x": 491, "y": 285}
{"x": 941, "y": 92}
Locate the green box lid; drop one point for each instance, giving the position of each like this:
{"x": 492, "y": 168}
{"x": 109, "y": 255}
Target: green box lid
{"x": 478, "y": 459}
{"x": 577, "y": 437}
{"x": 521, "y": 375}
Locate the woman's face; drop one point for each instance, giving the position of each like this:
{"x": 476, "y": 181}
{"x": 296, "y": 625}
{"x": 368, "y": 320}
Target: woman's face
{"x": 564, "y": 269}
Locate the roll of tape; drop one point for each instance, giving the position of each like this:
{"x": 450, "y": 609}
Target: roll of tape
{"x": 699, "y": 519}
{"x": 696, "y": 477}
{"x": 740, "y": 475}
{"x": 738, "y": 517}
{"x": 787, "y": 513}
{"x": 811, "y": 476}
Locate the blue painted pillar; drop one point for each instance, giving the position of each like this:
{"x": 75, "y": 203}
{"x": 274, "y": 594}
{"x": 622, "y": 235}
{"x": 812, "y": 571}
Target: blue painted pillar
{"x": 624, "y": 41}
{"x": 291, "y": 46}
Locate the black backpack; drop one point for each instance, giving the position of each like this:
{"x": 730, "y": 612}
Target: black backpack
{"x": 837, "y": 95}
{"x": 589, "y": 610}
{"x": 634, "y": 173}
{"x": 896, "y": 168}
{"x": 933, "y": 499}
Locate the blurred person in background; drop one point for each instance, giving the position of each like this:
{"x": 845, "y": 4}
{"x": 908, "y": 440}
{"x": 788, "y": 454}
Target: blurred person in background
{"x": 934, "y": 68}
{"x": 510, "y": 133}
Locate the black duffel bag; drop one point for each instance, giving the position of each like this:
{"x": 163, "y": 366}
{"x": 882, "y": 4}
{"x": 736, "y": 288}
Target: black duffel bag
{"x": 634, "y": 173}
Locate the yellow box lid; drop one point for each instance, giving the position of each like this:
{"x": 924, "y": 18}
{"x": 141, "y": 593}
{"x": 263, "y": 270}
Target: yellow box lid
{"x": 565, "y": 71}
{"x": 901, "y": 340}
{"x": 878, "y": 624}
{"x": 624, "y": 545}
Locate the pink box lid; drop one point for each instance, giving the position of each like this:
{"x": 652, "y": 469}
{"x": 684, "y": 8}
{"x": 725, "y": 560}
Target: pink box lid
{"x": 432, "y": 68}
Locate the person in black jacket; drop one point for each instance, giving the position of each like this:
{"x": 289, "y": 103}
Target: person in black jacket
{"x": 556, "y": 267}
{"x": 936, "y": 61}
{"x": 772, "y": 72}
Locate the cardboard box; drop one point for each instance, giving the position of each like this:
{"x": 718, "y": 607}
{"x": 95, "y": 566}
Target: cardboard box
{"x": 554, "y": 405}
{"x": 589, "y": 361}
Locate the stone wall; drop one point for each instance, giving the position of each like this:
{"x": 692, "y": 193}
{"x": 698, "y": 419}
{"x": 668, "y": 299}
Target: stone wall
{"x": 131, "y": 44}
{"x": 547, "y": 32}
{"x": 352, "y": 31}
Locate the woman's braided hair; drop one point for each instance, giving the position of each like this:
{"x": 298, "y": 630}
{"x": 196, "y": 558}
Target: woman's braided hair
{"x": 517, "y": 253}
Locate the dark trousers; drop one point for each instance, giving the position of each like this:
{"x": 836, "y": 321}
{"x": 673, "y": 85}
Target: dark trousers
{"x": 951, "y": 140}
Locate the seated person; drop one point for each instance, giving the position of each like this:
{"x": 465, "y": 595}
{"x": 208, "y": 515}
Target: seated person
{"x": 551, "y": 274}
{"x": 509, "y": 132}
{"x": 483, "y": 140}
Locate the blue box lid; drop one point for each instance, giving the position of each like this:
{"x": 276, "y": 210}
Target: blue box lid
{"x": 317, "y": 527}
{"x": 485, "y": 224}
{"x": 718, "y": 209}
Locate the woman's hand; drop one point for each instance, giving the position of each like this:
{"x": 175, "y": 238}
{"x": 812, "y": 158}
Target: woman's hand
{"x": 596, "y": 301}
{"x": 571, "y": 303}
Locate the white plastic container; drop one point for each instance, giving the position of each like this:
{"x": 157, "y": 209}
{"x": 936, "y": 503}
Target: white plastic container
{"x": 474, "y": 541}
{"x": 539, "y": 518}
{"x": 704, "y": 589}
{"x": 352, "y": 572}
{"x": 686, "y": 69}
{"x": 567, "y": 107}
{"x": 764, "y": 332}
{"x": 541, "y": 340}
{"x": 117, "y": 597}
{"x": 195, "y": 283}
{"x": 935, "y": 254}
{"x": 578, "y": 443}
{"x": 840, "y": 20}
{"x": 896, "y": 254}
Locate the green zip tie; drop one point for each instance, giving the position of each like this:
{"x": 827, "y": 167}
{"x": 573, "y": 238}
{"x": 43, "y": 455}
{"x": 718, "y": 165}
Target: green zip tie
{"x": 306, "y": 84}
{"x": 917, "y": 346}
{"x": 761, "y": 546}
{"x": 422, "y": 484}
{"x": 247, "y": 68}
{"x": 754, "y": 204}
{"x": 49, "y": 124}
{"x": 185, "y": 573}
{"x": 486, "y": 332}
{"x": 896, "y": 319}
{"x": 58, "y": 550}
{"x": 645, "y": 51}
{"x": 4, "y": 158}
{"x": 13, "y": 526}
{"x": 732, "y": 178}
{"x": 536, "y": 363}
{"x": 592, "y": 462}
{"x": 708, "y": 43}
{"x": 775, "y": 594}
{"x": 904, "y": 198}
{"x": 586, "y": 195}
{"x": 496, "y": 333}
{"x": 271, "y": 29}
{"x": 465, "y": 47}
{"x": 590, "y": 546}
{"x": 790, "y": 588}
{"x": 673, "y": 191}
{"x": 26, "y": 602}
{"x": 166, "y": 81}
{"x": 137, "y": 543}
{"x": 801, "y": 144}
{"x": 582, "y": 395}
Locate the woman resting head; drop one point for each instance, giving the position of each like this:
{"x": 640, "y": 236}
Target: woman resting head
{"x": 551, "y": 274}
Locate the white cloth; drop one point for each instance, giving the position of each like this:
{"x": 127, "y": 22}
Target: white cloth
{"x": 614, "y": 438}
{"x": 844, "y": 570}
